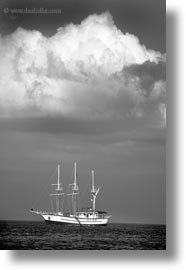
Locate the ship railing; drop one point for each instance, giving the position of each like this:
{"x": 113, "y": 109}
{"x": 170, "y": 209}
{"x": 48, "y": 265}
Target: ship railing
{"x": 45, "y": 212}
{"x": 96, "y": 214}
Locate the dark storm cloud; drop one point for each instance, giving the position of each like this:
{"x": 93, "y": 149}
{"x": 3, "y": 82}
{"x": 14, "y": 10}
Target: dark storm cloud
{"x": 55, "y": 125}
{"x": 63, "y": 125}
{"x": 148, "y": 72}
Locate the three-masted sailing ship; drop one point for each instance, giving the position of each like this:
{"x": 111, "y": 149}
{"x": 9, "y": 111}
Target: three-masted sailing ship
{"x": 87, "y": 216}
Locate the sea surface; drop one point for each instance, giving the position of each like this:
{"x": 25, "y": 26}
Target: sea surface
{"x": 26, "y": 235}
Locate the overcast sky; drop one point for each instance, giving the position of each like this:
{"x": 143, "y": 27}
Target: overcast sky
{"x": 85, "y": 85}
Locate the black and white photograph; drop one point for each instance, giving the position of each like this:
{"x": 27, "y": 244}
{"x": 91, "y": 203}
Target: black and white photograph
{"x": 83, "y": 125}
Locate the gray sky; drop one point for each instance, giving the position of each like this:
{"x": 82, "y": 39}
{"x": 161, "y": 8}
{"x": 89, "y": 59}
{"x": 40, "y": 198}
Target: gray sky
{"x": 89, "y": 93}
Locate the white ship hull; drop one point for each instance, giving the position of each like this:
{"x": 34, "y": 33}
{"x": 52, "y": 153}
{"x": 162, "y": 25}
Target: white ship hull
{"x": 75, "y": 221}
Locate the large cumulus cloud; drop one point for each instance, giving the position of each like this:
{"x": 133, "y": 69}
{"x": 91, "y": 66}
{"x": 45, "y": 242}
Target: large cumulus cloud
{"x": 88, "y": 71}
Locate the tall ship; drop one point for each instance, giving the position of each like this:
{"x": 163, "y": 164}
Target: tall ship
{"x": 88, "y": 216}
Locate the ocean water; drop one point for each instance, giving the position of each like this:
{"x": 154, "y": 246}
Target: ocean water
{"x": 15, "y": 235}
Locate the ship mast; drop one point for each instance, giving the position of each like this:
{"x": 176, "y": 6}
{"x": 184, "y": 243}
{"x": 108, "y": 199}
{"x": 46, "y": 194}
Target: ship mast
{"x": 58, "y": 189}
{"x": 94, "y": 193}
{"x": 75, "y": 190}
